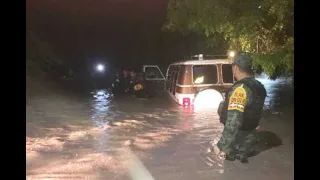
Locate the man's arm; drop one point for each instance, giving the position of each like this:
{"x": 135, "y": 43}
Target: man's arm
{"x": 238, "y": 99}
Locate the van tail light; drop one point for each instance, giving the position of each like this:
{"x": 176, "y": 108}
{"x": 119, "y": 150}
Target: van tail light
{"x": 186, "y": 101}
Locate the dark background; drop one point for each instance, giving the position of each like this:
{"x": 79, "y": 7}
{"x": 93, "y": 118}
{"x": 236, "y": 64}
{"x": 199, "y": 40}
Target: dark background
{"x": 120, "y": 33}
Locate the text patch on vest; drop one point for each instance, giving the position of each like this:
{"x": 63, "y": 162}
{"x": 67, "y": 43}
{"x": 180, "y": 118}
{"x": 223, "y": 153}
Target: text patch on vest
{"x": 238, "y": 99}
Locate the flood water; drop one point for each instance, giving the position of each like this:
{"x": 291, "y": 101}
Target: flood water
{"x": 107, "y": 137}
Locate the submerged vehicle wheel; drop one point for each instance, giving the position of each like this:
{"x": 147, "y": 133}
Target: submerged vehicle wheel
{"x": 208, "y": 98}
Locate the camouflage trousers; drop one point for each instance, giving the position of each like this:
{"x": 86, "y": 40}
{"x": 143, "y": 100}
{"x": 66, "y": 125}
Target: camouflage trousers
{"x": 243, "y": 146}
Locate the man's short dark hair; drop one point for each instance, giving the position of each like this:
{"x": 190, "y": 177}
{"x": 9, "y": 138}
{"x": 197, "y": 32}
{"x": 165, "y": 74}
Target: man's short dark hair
{"x": 247, "y": 70}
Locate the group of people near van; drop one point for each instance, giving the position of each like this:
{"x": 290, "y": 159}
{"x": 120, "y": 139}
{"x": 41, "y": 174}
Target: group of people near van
{"x": 129, "y": 82}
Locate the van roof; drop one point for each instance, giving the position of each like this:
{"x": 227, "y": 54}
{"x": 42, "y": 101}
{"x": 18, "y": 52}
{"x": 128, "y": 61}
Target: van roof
{"x": 200, "y": 62}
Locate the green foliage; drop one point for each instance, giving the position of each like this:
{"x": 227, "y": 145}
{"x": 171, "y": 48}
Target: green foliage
{"x": 278, "y": 63}
{"x": 261, "y": 27}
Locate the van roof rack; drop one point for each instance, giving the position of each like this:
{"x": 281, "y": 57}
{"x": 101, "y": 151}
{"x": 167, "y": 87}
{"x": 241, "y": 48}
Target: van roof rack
{"x": 207, "y": 57}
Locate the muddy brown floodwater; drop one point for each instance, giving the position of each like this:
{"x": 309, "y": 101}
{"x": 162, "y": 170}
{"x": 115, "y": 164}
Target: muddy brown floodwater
{"x": 120, "y": 138}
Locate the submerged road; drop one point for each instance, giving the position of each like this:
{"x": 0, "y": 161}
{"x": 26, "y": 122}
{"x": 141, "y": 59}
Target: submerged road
{"x": 110, "y": 138}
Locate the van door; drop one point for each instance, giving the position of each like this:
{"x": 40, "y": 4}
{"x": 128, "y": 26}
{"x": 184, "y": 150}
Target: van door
{"x": 175, "y": 79}
{"x": 154, "y": 75}
{"x": 169, "y": 78}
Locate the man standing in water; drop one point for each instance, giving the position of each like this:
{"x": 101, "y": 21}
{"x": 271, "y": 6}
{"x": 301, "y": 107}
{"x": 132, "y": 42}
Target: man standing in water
{"x": 241, "y": 112}
{"x": 133, "y": 80}
{"x": 125, "y": 81}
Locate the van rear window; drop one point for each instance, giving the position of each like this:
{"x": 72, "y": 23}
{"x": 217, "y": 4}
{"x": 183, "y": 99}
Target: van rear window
{"x": 205, "y": 74}
{"x": 227, "y": 75}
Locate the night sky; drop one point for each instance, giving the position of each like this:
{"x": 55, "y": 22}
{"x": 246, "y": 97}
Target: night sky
{"x": 120, "y": 32}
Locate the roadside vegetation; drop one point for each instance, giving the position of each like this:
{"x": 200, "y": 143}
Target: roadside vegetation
{"x": 44, "y": 69}
{"x": 264, "y": 28}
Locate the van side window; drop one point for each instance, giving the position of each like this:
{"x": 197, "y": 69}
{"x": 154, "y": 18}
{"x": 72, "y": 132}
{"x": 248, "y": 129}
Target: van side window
{"x": 176, "y": 73}
{"x": 175, "y": 78}
{"x": 205, "y": 74}
{"x": 170, "y": 78}
{"x": 182, "y": 74}
{"x": 227, "y": 74}
{"x": 170, "y": 72}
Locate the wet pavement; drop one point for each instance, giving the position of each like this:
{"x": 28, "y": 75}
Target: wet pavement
{"x": 106, "y": 137}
